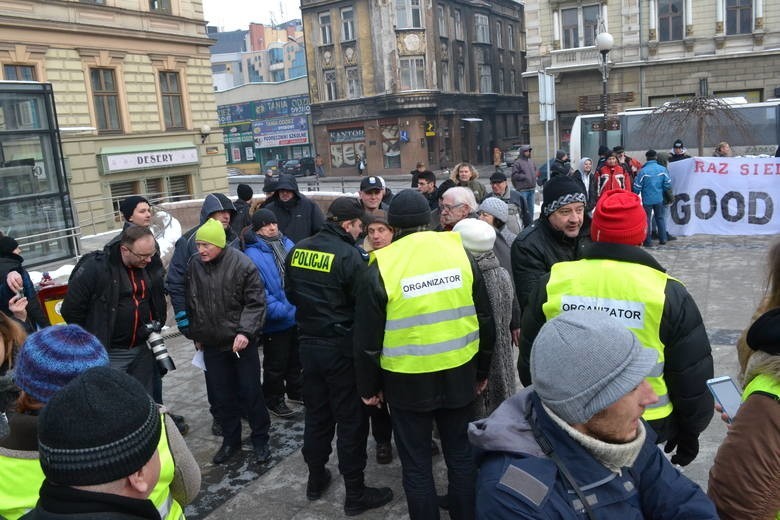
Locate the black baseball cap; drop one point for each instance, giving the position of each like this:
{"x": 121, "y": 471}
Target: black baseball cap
{"x": 371, "y": 183}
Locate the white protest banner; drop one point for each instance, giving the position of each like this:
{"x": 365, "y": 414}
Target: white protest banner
{"x": 725, "y": 196}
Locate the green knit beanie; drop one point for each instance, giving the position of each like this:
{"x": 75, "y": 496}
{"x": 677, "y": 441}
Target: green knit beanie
{"x": 212, "y": 232}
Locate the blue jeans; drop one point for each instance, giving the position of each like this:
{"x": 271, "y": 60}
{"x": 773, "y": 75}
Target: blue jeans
{"x": 412, "y": 432}
{"x": 656, "y": 211}
{"x": 528, "y": 195}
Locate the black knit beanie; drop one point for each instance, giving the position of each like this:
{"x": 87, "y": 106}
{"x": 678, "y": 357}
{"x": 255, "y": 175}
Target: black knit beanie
{"x": 409, "y": 209}
{"x": 244, "y": 192}
{"x": 127, "y": 206}
{"x": 262, "y": 217}
{"x": 558, "y": 192}
{"x": 7, "y": 245}
{"x": 100, "y": 427}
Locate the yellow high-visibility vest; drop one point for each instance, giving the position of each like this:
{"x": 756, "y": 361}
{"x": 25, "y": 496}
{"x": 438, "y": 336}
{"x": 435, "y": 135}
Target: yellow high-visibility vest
{"x": 632, "y": 293}
{"x": 431, "y": 321}
{"x": 762, "y": 383}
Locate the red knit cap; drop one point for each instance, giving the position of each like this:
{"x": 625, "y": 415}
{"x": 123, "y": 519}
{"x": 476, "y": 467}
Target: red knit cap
{"x": 619, "y": 218}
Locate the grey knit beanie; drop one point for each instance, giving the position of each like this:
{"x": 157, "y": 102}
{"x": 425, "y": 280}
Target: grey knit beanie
{"x": 584, "y": 361}
{"x": 496, "y": 207}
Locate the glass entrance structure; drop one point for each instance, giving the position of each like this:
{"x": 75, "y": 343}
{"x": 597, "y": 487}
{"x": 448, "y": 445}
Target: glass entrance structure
{"x": 34, "y": 202}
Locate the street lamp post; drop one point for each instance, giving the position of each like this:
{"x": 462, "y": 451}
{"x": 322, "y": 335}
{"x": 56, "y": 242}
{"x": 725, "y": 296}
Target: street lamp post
{"x": 604, "y": 42}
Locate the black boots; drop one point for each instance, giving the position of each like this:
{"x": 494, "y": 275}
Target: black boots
{"x": 318, "y": 483}
{"x": 361, "y": 498}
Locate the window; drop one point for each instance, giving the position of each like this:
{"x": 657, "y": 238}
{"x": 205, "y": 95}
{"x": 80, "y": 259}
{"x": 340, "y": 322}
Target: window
{"x": 481, "y": 28}
{"x": 105, "y": 95}
{"x": 442, "y": 21}
{"x": 160, "y": 5}
{"x": 501, "y": 81}
{"x": 170, "y": 88}
{"x": 155, "y": 188}
{"x": 408, "y": 13}
{"x": 499, "y": 39}
{"x": 739, "y": 16}
{"x": 119, "y": 192}
{"x": 347, "y": 24}
{"x": 579, "y": 26}
{"x": 445, "y": 76}
{"x": 458, "y": 23}
{"x": 179, "y": 187}
{"x": 485, "y": 79}
{"x": 330, "y": 85}
{"x": 459, "y": 76}
{"x": 512, "y": 82}
{"x": 353, "y": 83}
{"x": 325, "y": 34}
{"x": 510, "y": 37}
{"x": 670, "y": 20}
{"x": 19, "y": 72}
{"x": 391, "y": 145}
{"x": 412, "y": 73}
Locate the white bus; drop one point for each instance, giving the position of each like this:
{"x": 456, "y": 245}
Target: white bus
{"x": 757, "y": 134}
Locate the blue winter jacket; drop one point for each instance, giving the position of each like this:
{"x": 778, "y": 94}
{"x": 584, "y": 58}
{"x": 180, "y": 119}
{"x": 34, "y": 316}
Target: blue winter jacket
{"x": 280, "y": 313}
{"x": 185, "y": 249}
{"x": 651, "y": 181}
{"x": 516, "y": 479}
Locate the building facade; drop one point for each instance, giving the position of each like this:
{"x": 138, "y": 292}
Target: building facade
{"x": 264, "y": 123}
{"x": 663, "y": 50}
{"x": 405, "y": 81}
{"x": 261, "y": 54}
{"x": 134, "y": 96}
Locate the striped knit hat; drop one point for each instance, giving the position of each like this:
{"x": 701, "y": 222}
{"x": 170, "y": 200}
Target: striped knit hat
{"x": 100, "y": 427}
{"x": 51, "y": 357}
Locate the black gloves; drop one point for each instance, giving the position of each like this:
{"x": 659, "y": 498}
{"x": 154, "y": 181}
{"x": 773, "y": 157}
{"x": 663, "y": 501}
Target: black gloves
{"x": 687, "y": 448}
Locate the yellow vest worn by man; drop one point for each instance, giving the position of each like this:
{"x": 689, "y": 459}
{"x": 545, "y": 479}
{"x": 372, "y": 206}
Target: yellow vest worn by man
{"x": 632, "y": 293}
{"x": 431, "y": 321}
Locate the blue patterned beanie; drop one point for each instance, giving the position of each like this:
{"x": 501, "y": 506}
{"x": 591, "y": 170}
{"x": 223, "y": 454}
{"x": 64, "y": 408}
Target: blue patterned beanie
{"x": 51, "y": 357}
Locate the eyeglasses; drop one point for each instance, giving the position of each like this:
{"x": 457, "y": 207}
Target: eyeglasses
{"x": 140, "y": 257}
{"x": 449, "y": 207}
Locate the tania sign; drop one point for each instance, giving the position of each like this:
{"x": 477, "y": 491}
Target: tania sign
{"x": 725, "y": 196}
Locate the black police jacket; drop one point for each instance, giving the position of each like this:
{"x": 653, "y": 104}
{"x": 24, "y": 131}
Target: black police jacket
{"x": 320, "y": 276}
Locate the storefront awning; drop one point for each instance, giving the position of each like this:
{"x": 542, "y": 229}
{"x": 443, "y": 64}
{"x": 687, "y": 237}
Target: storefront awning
{"x": 115, "y": 159}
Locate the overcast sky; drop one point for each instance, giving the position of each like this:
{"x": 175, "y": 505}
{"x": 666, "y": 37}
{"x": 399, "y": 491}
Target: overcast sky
{"x": 230, "y": 15}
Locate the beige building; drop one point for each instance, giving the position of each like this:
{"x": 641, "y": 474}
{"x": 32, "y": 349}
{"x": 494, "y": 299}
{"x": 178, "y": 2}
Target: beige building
{"x": 406, "y": 81}
{"x": 663, "y": 50}
{"x": 133, "y": 89}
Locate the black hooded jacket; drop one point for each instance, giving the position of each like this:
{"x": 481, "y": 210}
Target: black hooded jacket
{"x": 299, "y": 217}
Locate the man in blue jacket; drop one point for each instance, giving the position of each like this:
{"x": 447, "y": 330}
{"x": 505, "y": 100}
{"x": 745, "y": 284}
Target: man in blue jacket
{"x": 574, "y": 444}
{"x": 651, "y": 182}
{"x": 281, "y": 362}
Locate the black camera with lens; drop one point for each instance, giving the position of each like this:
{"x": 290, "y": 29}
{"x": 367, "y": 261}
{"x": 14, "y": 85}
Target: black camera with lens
{"x": 156, "y": 344}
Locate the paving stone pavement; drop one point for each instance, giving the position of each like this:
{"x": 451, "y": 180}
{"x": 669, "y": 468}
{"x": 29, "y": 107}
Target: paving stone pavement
{"x": 725, "y": 275}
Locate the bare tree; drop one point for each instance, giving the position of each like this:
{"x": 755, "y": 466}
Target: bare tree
{"x": 702, "y": 113}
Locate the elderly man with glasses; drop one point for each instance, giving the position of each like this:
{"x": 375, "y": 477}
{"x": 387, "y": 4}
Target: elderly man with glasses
{"x": 456, "y": 204}
{"x": 112, "y": 294}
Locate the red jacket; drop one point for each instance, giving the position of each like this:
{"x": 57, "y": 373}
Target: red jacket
{"x": 612, "y": 178}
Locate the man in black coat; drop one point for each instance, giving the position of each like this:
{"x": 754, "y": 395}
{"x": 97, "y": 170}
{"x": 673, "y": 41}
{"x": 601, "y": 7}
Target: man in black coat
{"x": 424, "y": 337}
{"x": 555, "y": 236}
{"x": 226, "y": 306}
{"x": 112, "y": 294}
{"x": 320, "y": 275}
{"x": 298, "y": 216}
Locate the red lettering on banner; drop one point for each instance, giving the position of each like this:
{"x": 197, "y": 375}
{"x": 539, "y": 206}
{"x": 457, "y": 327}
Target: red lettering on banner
{"x": 712, "y": 167}
{"x": 760, "y": 169}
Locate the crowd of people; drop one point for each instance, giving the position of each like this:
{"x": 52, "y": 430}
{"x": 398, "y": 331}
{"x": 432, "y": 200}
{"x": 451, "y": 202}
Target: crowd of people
{"x": 553, "y": 359}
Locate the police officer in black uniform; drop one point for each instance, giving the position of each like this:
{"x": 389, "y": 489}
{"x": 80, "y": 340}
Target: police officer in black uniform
{"x": 320, "y": 273}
